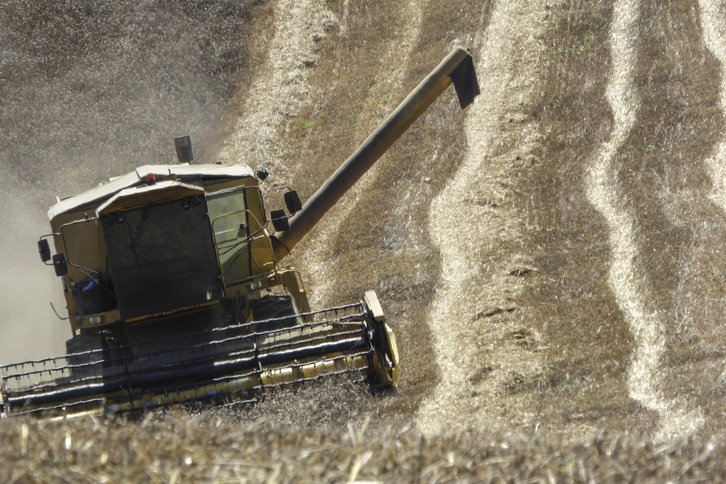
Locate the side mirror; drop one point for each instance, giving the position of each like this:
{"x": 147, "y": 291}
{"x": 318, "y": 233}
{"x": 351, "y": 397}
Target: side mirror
{"x": 59, "y": 263}
{"x": 44, "y": 250}
{"x": 293, "y": 203}
{"x": 279, "y": 220}
{"x": 262, "y": 174}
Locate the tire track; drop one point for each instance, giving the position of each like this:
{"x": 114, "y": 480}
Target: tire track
{"x": 627, "y": 276}
{"x": 474, "y": 261}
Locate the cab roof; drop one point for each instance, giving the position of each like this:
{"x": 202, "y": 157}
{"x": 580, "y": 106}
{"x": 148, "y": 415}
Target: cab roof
{"x": 183, "y": 172}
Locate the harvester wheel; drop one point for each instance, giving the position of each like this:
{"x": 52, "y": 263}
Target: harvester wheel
{"x": 274, "y": 306}
{"x": 84, "y": 354}
{"x": 89, "y": 355}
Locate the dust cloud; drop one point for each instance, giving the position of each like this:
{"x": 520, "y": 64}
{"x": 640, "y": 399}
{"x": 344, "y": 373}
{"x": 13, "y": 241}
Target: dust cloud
{"x": 90, "y": 91}
{"x": 28, "y": 326}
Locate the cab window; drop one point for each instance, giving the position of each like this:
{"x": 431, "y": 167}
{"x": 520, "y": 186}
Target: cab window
{"x": 230, "y": 225}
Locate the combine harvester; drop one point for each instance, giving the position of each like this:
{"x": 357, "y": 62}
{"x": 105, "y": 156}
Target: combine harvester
{"x": 175, "y": 292}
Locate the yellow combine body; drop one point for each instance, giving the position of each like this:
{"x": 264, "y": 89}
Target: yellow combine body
{"x": 175, "y": 291}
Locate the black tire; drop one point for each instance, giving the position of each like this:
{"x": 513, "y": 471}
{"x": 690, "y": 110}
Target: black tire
{"x": 89, "y": 355}
{"x": 276, "y": 307}
{"x": 85, "y": 364}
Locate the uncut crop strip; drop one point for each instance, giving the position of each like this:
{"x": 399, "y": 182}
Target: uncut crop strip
{"x": 282, "y": 88}
{"x": 713, "y": 26}
{"x": 511, "y": 37}
{"x": 627, "y": 277}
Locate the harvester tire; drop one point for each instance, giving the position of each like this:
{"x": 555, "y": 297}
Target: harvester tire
{"x": 275, "y": 307}
{"x": 85, "y": 364}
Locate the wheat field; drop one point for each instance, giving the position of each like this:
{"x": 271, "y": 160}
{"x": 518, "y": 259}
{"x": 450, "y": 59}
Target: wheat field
{"x": 551, "y": 258}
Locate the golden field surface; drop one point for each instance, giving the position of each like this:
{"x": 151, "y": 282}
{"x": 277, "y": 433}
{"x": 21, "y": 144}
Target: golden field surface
{"x": 551, "y": 258}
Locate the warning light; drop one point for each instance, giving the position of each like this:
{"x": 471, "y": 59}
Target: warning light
{"x": 150, "y": 178}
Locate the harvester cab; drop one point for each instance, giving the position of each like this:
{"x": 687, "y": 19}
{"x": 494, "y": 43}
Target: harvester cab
{"x": 164, "y": 247}
{"x": 175, "y": 291}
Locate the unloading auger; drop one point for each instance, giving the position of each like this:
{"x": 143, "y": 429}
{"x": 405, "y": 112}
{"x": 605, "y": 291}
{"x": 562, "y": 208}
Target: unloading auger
{"x": 175, "y": 292}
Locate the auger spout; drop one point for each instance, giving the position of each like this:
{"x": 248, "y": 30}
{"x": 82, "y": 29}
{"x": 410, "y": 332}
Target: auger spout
{"x": 456, "y": 68}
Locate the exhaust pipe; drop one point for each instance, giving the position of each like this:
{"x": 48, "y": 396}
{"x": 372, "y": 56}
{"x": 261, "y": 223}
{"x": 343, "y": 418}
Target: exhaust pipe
{"x": 183, "y": 146}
